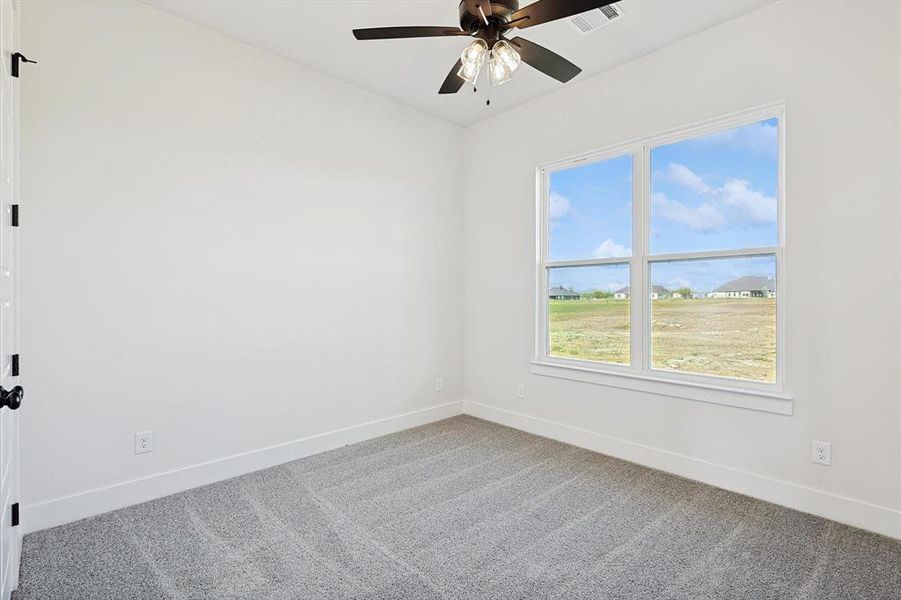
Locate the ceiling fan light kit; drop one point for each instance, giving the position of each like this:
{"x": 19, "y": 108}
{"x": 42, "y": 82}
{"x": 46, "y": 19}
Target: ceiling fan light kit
{"x": 487, "y": 21}
{"x": 502, "y": 61}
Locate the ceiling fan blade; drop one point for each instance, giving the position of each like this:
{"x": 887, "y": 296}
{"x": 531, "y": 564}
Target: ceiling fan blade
{"x": 453, "y": 82}
{"x": 545, "y": 11}
{"x": 544, "y": 60}
{"x": 391, "y": 33}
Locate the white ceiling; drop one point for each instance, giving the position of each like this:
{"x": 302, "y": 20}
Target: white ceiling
{"x": 317, "y": 33}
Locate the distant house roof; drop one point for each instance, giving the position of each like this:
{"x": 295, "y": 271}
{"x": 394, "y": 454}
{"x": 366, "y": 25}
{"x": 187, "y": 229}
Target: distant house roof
{"x": 747, "y": 284}
{"x": 562, "y": 291}
{"x": 658, "y": 289}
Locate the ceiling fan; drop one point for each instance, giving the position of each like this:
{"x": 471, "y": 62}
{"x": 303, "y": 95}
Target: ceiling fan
{"x": 487, "y": 21}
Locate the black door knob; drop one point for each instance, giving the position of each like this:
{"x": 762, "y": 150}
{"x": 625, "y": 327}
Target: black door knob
{"x": 11, "y": 398}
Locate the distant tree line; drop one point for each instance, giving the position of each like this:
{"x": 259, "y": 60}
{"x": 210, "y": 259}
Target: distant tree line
{"x": 598, "y": 295}
{"x": 685, "y": 292}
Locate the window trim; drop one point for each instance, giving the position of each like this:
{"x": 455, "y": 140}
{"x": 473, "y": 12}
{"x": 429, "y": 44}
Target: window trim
{"x": 639, "y": 374}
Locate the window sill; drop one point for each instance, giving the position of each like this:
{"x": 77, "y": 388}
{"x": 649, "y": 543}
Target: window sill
{"x": 752, "y": 399}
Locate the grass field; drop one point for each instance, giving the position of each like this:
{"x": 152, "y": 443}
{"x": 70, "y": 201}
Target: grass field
{"x": 731, "y": 338}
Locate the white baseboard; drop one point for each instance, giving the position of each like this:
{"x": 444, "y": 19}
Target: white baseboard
{"x": 100, "y": 500}
{"x": 58, "y": 511}
{"x": 879, "y": 519}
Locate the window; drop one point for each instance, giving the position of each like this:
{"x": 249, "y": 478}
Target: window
{"x": 661, "y": 259}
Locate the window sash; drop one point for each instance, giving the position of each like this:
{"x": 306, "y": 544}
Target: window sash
{"x": 594, "y": 262}
{"x": 641, "y": 260}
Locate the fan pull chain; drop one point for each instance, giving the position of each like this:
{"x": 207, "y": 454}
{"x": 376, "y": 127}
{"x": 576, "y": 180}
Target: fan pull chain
{"x": 488, "y": 87}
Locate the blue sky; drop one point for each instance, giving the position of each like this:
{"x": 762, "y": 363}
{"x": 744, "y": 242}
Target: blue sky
{"x": 589, "y": 205}
{"x": 711, "y": 193}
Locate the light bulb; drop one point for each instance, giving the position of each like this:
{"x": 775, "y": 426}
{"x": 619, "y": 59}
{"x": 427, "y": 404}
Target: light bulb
{"x": 498, "y": 71}
{"x": 473, "y": 57}
{"x": 505, "y": 52}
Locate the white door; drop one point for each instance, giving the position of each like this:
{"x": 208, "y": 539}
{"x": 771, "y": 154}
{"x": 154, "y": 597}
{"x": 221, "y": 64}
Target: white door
{"x": 10, "y": 532}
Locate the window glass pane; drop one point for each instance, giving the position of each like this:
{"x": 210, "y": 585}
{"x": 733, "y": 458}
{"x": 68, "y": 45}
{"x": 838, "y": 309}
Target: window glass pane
{"x": 590, "y": 210}
{"x": 588, "y": 313}
{"x": 716, "y": 192}
{"x": 715, "y": 317}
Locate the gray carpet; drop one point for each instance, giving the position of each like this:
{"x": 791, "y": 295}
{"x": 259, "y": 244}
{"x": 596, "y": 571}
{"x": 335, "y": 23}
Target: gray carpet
{"x": 459, "y": 509}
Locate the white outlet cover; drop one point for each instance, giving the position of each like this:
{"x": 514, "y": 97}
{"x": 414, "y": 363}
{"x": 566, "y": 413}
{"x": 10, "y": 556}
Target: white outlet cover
{"x": 439, "y": 384}
{"x": 821, "y": 453}
{"x": 143, "y": 442}
{"x": 520, "y": 391}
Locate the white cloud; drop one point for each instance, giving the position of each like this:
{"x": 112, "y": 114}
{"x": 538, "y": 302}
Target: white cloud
{"x": 751, "y": 205}
{"x": 678, "y": 283}
{"x": 610, "y": 249}
{"x": 758, "y": 137}
{"x": 705, "y": 217}
{"x": 735, "y": 202}
{"x": 685, "y": 177}
{"x": 560, "y": 206}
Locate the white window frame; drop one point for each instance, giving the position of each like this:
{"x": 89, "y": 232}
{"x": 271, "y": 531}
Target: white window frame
{"x": 639, "y": 375}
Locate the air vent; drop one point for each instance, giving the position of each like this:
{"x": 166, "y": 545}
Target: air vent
{"x": 596, "y": 18}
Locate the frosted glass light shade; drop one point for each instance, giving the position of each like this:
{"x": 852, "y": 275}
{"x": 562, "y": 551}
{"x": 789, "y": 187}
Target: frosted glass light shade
{"x": 505, "y": 52}
{"x": 473, "y": 57}
{"x": 475, "y": 52}
{"x": 498, "y": 72}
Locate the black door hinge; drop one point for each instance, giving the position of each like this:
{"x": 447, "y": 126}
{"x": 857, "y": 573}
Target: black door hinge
{"x": 14, "y": 215}
{"x": 17, "y": 58}
{"x": 15, "y": 515}
{"x": 15, "y": 365}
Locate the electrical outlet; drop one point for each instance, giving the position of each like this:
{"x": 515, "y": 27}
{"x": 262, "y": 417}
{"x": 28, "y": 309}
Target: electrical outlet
{"x": 439, "y": 384}
{"x": 520, "y": 391}
{"x": 822, "y": 453}
{"x": 143, "y": 442}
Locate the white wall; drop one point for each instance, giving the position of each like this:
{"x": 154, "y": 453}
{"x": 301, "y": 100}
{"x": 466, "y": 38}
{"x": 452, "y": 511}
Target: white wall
{"x": 219, "y": 246}
{"x": 837, "y": 68}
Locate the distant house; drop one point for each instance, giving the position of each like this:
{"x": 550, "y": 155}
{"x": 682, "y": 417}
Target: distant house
{"x": 658, "y": 292}
{"x": 751, "y": 286}
{"x": 561, "y": 293}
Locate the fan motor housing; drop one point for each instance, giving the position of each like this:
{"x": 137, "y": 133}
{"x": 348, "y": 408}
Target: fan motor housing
{"x": 501, "y": 11}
